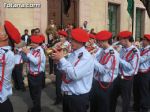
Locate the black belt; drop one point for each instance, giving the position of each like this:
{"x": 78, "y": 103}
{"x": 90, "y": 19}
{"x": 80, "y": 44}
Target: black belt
{"x": 35, "y": 74}
{"x": 68, "y": 93}
{"x": 125, "y": 77}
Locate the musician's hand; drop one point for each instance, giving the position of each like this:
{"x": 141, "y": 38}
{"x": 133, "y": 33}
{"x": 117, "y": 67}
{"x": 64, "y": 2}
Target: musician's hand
{"x": 58, "y": 45}
{"x": 25, "y": 50}
{"x": 57, "y": 55}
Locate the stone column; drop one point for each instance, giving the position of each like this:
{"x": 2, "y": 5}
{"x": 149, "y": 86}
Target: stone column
{"x": 2, "y": 13}
{"x": 40, "y": 15}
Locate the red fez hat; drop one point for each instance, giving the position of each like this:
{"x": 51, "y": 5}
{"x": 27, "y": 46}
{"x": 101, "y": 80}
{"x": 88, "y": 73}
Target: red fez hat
{"x": 147, "y": 36}
{"x": 63, "y": 33}
{"x": 36, "y": 39}
{"x": 43, "y": 37}
{"x": 92, "y": 36}
{"x": 12, "y": 32}
{"x": 80, "y": 35}
{"x": 125, "y": 34}
{"x": 103, "y": 35}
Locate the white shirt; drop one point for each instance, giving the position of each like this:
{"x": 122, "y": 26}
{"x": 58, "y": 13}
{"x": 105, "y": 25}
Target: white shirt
{"x": 81, "y": 74}
{"x": 129, "y": 64}
{"x": 145, "y": 60}
{"x": 10, "y": 63}
{"x": 26, "y": 38}
{"x": 107, "y": 72}
{"x": 35, "y": 61}
{"x": 18, "y": 58}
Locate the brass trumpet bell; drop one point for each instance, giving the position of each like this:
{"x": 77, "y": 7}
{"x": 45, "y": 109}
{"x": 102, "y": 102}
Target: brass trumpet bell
{"x": 49, "y": 51}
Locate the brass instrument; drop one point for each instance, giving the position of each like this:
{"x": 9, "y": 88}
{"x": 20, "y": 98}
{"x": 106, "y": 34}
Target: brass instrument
{"x": 49, "y": 51}
{"x": 91, "y": 49}
{"x": 60, "y": 47}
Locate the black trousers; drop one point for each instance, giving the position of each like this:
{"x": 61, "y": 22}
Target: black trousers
{"x": 43, "y": 80}
{"x": 18, "y": 76}
{"x": 51, "y": 65}
{"x": 136, "y": 92}
{"x": 58, "y": 83}
{"x": 6, "y": 106}
{"x": 121, "y": 87}
{"x": 100, "y": 98}
{"x": 35, "y": 88}
{"x": 75, "y": 103}
{"x": 144, "y": 91}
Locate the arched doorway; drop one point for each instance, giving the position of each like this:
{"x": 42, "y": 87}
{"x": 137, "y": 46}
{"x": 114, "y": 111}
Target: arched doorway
{"x": 54, "y": 12}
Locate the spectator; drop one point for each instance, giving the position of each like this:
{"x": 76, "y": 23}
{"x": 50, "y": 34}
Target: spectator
{"x": 26, "y": 37}
{"x": 51, "y": 30}
{"x": 85, "y": 26}
{"x": 92, "y": 31}
{"x": 32, "y": 32}
{"x": 37, "y": 31}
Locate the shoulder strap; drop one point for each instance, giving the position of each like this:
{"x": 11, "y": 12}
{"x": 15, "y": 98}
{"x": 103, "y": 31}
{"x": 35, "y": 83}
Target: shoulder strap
{"x": 131, "y": 54}
{"x": 3, "y": 72}
{"x": 64, "y": 75}
{"x": 143, "y": 52}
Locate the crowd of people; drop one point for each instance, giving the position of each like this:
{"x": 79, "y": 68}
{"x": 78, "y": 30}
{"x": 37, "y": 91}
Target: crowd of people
{"x": 92, "y": 69}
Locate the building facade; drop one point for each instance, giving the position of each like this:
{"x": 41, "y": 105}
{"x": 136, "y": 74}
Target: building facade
{"x": 101, "y": 14}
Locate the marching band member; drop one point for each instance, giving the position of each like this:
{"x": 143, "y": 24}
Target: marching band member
{"x": 144, "y": 73}
{"x": 63, "y": 39}
{"x": 36, "y": 62}
{"x": 7, "y": 36}
{"x": 106, "y": 69}
{"x": 91, "y": 45}
{"x": 44, "y": 47}
{"x": 77, "y": 72}
{"x": 18, "y": 69}
{"x": 67, "y": 49}
{"x": 129, "y": 63}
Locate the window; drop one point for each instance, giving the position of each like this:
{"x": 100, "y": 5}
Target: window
{"x": 139, "y": 23}
{"x": 113, "y": 18}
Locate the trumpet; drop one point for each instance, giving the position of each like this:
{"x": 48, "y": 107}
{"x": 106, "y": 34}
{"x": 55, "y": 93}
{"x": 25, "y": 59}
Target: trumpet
{"x": 50, "y": 50}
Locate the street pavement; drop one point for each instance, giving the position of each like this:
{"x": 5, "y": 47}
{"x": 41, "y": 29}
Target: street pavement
{"x": 21, "y": 100}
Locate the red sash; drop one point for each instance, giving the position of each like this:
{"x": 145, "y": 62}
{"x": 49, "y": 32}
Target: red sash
{"x": 36, "y": 54}
{"x": 3, "y": 70}
{"x": 144, "y": 52}
{"x": 104, "y": 60}
{"x": 65, "y": 80}
{"x": 128, "y": 59}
